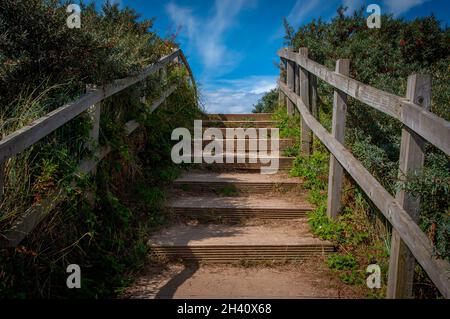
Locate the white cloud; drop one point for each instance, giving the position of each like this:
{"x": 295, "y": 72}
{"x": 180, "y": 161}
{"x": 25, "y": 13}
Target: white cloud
{"x": 297, "y": 14}
{"x": 206, "y": 35}
{"x": 183, "y": 17}
{"x": 236, "y": 95}
{"x": 300, "y": 10}
{"x": 397, "y": 7}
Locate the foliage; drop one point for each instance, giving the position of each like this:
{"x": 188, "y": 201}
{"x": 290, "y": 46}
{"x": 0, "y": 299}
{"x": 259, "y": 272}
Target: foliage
{"x": 103, "y": 224}
{"x": 342, "y": 262}
{"x": 268, "y": 103}
{"x": 406, "y": 47}
{"x": 288, "y": 125}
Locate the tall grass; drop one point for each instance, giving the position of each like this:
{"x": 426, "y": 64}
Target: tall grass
{"x": 104, "y": 221}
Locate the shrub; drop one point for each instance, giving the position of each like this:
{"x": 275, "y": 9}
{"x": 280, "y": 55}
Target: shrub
{"x": 104, "y": 224}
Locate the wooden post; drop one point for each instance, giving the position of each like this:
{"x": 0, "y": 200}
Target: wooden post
{"x": 290, "y": 81}
{"x": 306, "y": 134}
{"x": 281, "y": 96}
{"x": 2, "y": 180}
{"x": 338, "y": 131}
{"x": 412, "y": 155}
{"x": 2, "y": 176}
{"x": 143, "y": 98}
{"x": 163, "y": 80}
{"x": 93, "y": 112}
{"x": 297, "y": 84}
{"x": 163, "y": 76}
{"x": 313, "y": 95}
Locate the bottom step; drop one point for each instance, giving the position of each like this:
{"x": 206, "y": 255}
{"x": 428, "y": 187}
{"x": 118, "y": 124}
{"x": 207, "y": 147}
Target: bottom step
{"x": 243, "y": 253}
{"x": 231, "y": 244}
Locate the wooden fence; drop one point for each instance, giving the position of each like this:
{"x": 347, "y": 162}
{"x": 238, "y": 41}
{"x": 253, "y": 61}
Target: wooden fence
{"x": 23, "y": 138}
{"x": 298, "y": 87}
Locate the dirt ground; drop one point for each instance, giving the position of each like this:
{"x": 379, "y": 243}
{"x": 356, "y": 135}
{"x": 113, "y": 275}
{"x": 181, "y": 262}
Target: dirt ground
{"x": 306, "y": 279}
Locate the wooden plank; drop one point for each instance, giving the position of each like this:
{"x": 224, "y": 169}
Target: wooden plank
{"x": 412, "y": 156}
{"x": 336, "y": 174}
{"x": 306, "y": 134}
{"x": 2, "y": 177}
{"x": 165, "y": 95}
{"x": 431, "y": 127}
{"x": 93, "y": 112}
{"x": 282, "y": 78}
{"x": 296, "y": 82}
{"x": 38, "y": 129}
{"x": 313, "y": 95}
{"x": 188, "y": 68}
{"x": 27, "y": 221}
{"x": 437, "y": 269}
{"x": 290, "y": 80}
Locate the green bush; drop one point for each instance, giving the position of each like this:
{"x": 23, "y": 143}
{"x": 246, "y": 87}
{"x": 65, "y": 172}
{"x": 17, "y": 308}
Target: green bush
{"x": 342, "y": 262}
{"x": 268, "y": 103}
{"x": 406, "y": 47}
{"x": 105, "y": 222}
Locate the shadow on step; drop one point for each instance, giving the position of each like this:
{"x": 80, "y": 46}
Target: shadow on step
{"x": 175, "y": 246}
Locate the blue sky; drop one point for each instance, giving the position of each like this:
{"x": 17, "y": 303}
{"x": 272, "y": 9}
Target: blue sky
{"x": 231, "y": 44}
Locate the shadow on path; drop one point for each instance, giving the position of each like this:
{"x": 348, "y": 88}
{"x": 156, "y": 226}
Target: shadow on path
{"x": 169, "y": 289}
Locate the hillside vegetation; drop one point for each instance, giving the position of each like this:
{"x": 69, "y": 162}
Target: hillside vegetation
{"x": 103, "y": 223}
{"x": 382, "y": 58}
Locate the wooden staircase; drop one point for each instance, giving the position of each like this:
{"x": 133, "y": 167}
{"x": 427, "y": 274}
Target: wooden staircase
{"x": 231, "y": 213}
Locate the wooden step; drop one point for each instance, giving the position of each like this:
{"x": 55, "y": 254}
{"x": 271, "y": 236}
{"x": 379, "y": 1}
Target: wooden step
{"x": 237, "y": 124}
{"x": 241, "y": 117}
{"x": 283, "y": 143}
{"x": 284, "y": 162}
{"x": 229, "y": 133}
{"x": 237, "y": 209}
{"x": 235, "y": 182}
{"x": 231, "y": 244}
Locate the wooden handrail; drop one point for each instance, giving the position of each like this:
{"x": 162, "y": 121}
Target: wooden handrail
{"x": 38, "y": 129}
{"x": 431, "y": 127}
{"x": 191, "y": 75}
{"x": 408, "y": 242}
{"x": 23, "y": 138}
{"x": 412, "y": 235}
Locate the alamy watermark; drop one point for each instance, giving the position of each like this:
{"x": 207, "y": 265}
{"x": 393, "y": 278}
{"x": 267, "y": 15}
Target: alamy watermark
{"x": 242, "y": 145}
{"x": 374, "y": 19}
{"x": 74, "y": 19}
{"x": 374, "y": 279}
{"x": 74, "y": 279}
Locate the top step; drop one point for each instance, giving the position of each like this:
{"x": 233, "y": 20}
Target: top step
{"x": 241, "y": 117}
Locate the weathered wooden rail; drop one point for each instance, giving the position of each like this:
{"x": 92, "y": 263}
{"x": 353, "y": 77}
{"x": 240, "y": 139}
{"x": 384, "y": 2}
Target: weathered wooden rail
{"x": 23, "y": 138}
{"x": 298, "y": 88}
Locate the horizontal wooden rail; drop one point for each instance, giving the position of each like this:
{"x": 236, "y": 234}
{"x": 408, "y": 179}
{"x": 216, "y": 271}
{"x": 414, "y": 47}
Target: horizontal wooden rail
{"x": 23, "y": 138}
{"x": 191, "y": 75}
{"x": 27, "y": 221}
{"x": 428, "y": 125}
{"x": 18, "y": 141}
{"x": 437, "y": 269}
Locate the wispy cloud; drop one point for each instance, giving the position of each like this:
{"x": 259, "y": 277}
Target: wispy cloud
{"x": 236, "y": 95}
{"x": 207, "y": 35}
{"x": 297, "y": 15}
{"x": 300, "y": 10}
{"x": 397, "y": 7}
